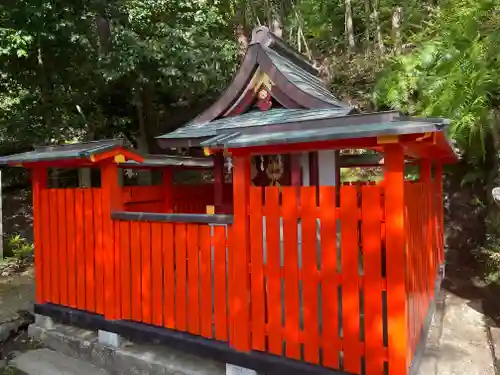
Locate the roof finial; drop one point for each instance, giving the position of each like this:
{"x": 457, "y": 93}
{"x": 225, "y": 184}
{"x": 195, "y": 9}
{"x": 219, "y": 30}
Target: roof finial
{"x": 261, "y": 35}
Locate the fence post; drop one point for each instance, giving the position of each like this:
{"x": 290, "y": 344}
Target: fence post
{"x": 111, "y": 201}
{"x": 431, "y": 251}
{"x": 39, "y": 181}
{"x": 238, "y": 269}
{"x": 218, "y": 181}
{"x": 168, "y": 189}
{"x": 438, "y": 181}
{"x": 395, "y": 259}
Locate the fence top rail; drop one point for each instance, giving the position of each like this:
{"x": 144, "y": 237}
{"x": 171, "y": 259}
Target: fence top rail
{"x": 173, "y": 218}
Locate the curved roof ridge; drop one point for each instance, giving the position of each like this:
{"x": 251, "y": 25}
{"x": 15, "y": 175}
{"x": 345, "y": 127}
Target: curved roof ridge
{"x": 308, "y": 81}
{"x": 265, "y": 37}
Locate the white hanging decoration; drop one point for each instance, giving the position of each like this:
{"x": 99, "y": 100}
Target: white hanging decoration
{"x": 129, "y": 173}
{"x": 262, "y": 163}
{"x": 229, "y": 164}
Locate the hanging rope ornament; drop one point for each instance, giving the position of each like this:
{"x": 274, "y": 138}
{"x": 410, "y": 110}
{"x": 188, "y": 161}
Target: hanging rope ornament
{"x": 229, "y": 164}
{"x": 274, "y": 170}
{"x": 262, "y": 163}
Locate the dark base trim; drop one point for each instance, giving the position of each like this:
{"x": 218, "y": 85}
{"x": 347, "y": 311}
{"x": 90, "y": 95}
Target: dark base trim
{"x": 212, "y": 349}
{"x": 424, "y": 332}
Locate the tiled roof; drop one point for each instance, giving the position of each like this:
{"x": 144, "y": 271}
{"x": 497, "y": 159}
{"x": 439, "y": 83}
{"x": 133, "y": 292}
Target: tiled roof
{"x": 63, "y": 152}
{"x": 254, "y": 119}
{"x": 302, "y": 79}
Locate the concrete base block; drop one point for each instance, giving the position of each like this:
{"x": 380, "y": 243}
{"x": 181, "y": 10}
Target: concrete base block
{"x": 128, "y": 359}
{"x": 44, "y": 321}
{"x": 237, "y": 370}
{"x": 109, "y": 339}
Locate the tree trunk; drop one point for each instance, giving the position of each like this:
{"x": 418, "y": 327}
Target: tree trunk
{"x": 44, "y": 85}
{"x": 144, "y": 118}
{"x": 396, "y": 30}
{"x": 349, "y": 29}
{"x": 378, "y": 30}
{"x": 367, "y": 26}
{"x": 240, "y": 31}
{"x": 104, "y": 34}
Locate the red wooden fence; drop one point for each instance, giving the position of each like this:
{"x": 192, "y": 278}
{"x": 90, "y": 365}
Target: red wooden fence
{"x": 317, "y": 271}
{"x": 174, "y": 275}
{"x": 144, "y": 198}
{"x": 421, "y": 265}
{"x": 186, "y": 198}
{"x": 71, "y": 227}
{"x": 306, "y": 293}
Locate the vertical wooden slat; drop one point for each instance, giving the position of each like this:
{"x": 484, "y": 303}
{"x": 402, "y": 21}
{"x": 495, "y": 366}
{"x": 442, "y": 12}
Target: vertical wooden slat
{"x": 350, "y": 288}
{"x": 218, "y": 159}
{"x": 99, "y": 260}
{"x": 167, "y": 179}
{"x": 180, "y": 277}
{"x": 220, "y": 307}
{"x": 310, "y": 274}
{"x": 258, "y": 291}
{"x": 329, "y": 287}
{"x": 88, "y": 204}
{"x": 411, "y": 244}
{"x": 80, "y": 250}
{"x": 425, "y": 181}
{"x": 395, "y": 258}
{"x": 63, "y": 246}
{"x": 71, "y": 243}
{"x": 146, "y": 287}
{"x": 231, "y": 275}
{"x": 371, "y": 226}
{"x": 123, "y": 229}
{"x": 240, "y": 249}
{"x": 157, "y": 273}
{"x": 193, "y": 279}
{"x": 39, "y": 184}
{"x": 438, "y": 182}
{"x": 135, "y": 270}
{"x": 168, "y": 275}
{"x": 291, "y": 271}
{"x": 117, "y": 269}
{"x": 47, "y": 248}
{"x": 112, "y": 200}
{"x": 54, "y": 251}
{"x": 205, "y": 281}
{"x": 272, "y": 215}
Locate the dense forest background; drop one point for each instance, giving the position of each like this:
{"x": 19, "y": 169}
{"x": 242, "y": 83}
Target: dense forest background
{"x": 83, "y": 70}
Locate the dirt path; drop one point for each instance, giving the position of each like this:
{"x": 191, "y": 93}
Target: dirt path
{"x": 16, "y": 293}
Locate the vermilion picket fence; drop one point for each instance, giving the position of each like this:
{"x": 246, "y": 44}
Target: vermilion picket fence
{"x": 422, "y": 257}
{"x": 317, "y": 270}
{"x": 174, "y": 275}
{"x": 317, "y": 283}
{"x": 186, "y": 198}
{"x": 71, "y": 227}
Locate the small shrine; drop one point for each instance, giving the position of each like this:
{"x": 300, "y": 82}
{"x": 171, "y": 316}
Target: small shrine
{"x": 275, "y": 264}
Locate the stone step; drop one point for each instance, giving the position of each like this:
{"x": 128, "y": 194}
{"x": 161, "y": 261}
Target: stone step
{"x": 49, "y": 362}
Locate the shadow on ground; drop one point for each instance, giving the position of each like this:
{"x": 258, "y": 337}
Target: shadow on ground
{"x": 465, "y": 281}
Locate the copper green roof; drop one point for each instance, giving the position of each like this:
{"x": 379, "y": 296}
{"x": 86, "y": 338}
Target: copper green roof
{"x": 198, "y": 132}
{"x": 295, "y": 84}
{"x": 159, "y": 161}
{"x": 303, "y": 80}
{"x": 84, "y": 150}
{"x": 314, "y": 128}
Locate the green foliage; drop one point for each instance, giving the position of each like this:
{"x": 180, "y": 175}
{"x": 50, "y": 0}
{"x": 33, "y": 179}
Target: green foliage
{"x": 453, "y": 72}
{"x": 18, "y": 247}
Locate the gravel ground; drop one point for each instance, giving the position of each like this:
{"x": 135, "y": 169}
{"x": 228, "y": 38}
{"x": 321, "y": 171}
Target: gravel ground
{"x": 17, "y": 293}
